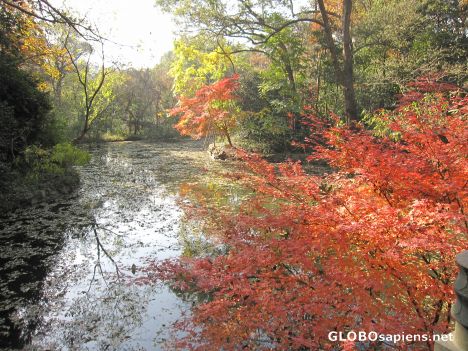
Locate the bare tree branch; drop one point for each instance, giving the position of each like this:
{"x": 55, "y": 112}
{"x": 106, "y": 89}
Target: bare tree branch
{"x": 48, "y": 13}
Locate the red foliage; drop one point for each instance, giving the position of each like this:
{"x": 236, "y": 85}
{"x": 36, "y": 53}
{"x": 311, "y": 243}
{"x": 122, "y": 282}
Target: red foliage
{"x": 206, "y": 112}
{"x": 370, "y": 247}
{"x": 426, "y": 84}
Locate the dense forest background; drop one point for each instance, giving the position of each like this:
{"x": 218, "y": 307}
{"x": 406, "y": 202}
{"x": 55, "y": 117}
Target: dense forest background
{"x": 342, "y": 57}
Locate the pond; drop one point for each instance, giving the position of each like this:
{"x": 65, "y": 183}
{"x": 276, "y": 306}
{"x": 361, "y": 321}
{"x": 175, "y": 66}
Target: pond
{"x": 67, "y": 267}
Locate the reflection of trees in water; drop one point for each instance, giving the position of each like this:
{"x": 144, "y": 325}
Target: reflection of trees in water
{"x": 106, "y": 313}
{"x": 33, "y": 237}
{"x": 100, "y": 248}
{"x": 204, "y": 204}
{"x": 104, "y": 320}
{"x": 81, "y": 303}
{"x": 32, "y": 256}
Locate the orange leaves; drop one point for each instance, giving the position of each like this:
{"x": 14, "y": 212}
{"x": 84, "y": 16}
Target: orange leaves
{"x": 370, "y": 247}
{"x": 26, "y": 35}
{"x": 209, "y": 110}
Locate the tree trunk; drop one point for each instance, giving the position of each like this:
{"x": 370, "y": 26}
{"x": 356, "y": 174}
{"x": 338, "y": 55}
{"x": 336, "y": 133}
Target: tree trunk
{"x": 344, "y": 76}
{"x": 290, "y": 74}
{"x": 228, "y": 137}
{"x": 348, "y": 79}
{"x": 58, "y": 92}
{"x": 318, "y": 81}
{"x": 80, "y": 137}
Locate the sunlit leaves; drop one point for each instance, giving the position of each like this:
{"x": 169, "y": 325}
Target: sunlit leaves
{"x": 212, "y": 110}
{"x": 193, "y": 67}
{"x": 369, "y": 247}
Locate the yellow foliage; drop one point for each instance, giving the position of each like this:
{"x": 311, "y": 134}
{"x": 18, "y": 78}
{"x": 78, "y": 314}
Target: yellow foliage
{"x": 29, "y": 39}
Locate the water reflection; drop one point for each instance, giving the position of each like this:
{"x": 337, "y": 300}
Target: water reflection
{"x": 29, "y": 241}
{"x": 62, "y": 283}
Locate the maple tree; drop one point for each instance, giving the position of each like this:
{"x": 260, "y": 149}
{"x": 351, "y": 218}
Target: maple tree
{"x": 368, "y": 247}
{"x": 211, "y": 110}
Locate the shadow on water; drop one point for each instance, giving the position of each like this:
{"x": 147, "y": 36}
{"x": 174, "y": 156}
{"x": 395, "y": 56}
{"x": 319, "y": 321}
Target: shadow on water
{"x": 30, "y": 240}
{"x": 63, "y": 264}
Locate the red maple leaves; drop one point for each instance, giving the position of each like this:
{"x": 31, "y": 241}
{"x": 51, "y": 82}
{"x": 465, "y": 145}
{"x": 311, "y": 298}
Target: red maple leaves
{"x": 209, "y": 111}
{"x": 369, "y": 247}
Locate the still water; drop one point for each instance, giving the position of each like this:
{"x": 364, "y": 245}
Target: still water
{"x": 67, "y": 267}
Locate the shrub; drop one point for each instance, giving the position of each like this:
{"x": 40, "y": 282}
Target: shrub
{"x": 54, "y": 161}
{"x": 265, "y": 132}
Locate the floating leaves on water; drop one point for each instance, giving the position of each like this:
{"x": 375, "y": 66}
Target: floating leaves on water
{"x": 132, "y": 198}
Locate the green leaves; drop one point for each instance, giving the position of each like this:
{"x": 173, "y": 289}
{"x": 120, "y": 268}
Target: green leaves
{"x": 53, "y": 161}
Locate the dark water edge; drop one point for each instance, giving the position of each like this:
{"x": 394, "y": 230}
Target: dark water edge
{"x": 29, "y": 245}
{"x": 18, "y": 191}
{"x": 66, "y": 265}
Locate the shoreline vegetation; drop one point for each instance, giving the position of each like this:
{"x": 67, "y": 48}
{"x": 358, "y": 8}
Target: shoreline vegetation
{"x": 40, "y": 175}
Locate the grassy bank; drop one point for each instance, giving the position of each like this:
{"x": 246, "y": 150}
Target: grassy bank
{"x": 39, "y": 175}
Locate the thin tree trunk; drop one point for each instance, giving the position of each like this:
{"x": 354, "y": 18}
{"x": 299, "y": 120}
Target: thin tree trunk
{"x": 228, "y": 137}
{"x": 318, "y": 81}
{"x": 290, "y": 74}
{"x": 80, "y": 137}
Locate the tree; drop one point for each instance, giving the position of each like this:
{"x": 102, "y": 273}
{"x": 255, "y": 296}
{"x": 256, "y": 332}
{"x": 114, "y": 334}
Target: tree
{"x": 262, "y": 21}
{"x": 211, "y": 110}
{"x": 195, "y": 64}
{"x": 24, "y": 107}
{"x": 370, "y": 247}
{"x": 43, "y": 10}
{"x": 140, "y": 97}
{"x": 57, "y": 64}
{"x": 164, "y": 86}
{"x": 344, "y": 73}
{"x": 91, "y": 84}
{"x": 397, "y": 41}
{"x": 39, "y": 35}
